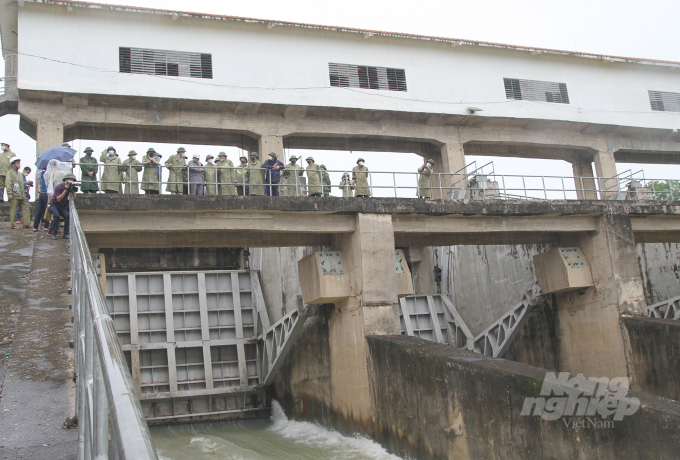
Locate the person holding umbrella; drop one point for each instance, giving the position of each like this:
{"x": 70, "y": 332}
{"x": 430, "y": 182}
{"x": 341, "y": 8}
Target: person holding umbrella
{"x": 88, "y": 169}
{"x": 5, "y": 155}
{"x": 14, "y": 183}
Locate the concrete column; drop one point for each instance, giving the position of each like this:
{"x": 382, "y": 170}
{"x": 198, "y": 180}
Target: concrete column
{"x": 585, "y": 188}
{"x": 605, "y": 165}
{"x": 449, "y": 159}
{"x": 590, "y": 335}
{"x": 371, "y": 309}
{"x": 49, "y": 134}
{"x": 269, "y": 144}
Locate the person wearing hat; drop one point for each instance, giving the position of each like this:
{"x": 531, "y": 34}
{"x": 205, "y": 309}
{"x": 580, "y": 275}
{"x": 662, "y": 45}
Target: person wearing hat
{"x": 425, "y": 171}
{"x": 326, "y": 181}
{"x": 292, "y": 175}
{"x": 347, "y": 186}
{"x": 151, "y": 162}
{"x": 178, "y": 172}
{"x": 313, "y": 177}
{"x": 5, "y": 155}
{"x": 131, "y": 173}
{"x": 242, "y": 176}
{"x": 59, "y": 205}
{"x": 88, "y": 171}
{"x": 272, "y": 178}
{"x": 210, "y": 176}
{"x": 255, "y": 175}
{"x": 226, "y": 175}
{"x": 360, "y": 178}
{"x": 195, "y": 175}
{"x": 14, "y": 183}
{"x": 113, "y": 171}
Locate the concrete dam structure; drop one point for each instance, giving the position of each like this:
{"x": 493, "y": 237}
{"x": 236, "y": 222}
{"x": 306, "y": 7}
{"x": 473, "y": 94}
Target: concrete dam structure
{"x": 497, "y": 316}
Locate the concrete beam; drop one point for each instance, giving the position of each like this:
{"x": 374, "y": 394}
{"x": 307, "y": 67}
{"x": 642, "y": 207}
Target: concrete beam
{"x": 656, "y": 229}
{"x": 420, "y": 224}
{"x": 295, "y": 111}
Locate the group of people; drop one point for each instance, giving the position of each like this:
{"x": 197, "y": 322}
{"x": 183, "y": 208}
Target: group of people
{"x": 53, "y": 186}
{"x": 250, "y": 176}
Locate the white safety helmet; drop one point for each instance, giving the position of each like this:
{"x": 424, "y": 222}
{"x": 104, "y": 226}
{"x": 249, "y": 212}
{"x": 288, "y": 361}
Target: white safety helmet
{"x": 4, "y": 142}
{"x": 13, "y": 159}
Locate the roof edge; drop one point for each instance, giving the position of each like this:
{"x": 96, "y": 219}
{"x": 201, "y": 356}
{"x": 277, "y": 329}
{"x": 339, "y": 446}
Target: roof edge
{"x": 366, "y": 32}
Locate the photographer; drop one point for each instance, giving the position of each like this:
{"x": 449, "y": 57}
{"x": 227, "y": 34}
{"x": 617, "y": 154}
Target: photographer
{"x": 59, "y": 205}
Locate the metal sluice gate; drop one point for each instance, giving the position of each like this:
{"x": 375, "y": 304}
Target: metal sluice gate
{"x": 196, "y": 342}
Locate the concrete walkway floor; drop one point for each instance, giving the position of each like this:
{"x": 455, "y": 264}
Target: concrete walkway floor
{"x": 38, "y": 390}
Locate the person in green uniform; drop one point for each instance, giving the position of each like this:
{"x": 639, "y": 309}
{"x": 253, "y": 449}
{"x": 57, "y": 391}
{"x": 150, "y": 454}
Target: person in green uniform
{"x": 360, "y": 178}
{"x": 313, "y": 177}
{"x": 226, "y": 175}
{"x": 424, "y": 179}
{"x": 113, "y": 171}
{"x": 177, "y": 172}
{"x": 255, "y": 175}
{"x": 152, "y": 167}
{"x": 242, "y": 176}
{"x": 14, "y": 183}
{"x": 347, "y": 186}
{"x": 326, "y": 181}
{"x": 292, "y": 174}
{"x": 88, "y": 170}
{"x": 210, "y": 176}
{"x": 131, "y": 173}
{"x": 5, "y": 155}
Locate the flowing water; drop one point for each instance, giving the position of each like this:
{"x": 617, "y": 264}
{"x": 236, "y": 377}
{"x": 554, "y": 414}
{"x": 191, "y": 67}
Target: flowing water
{"x": 278, "y": 438}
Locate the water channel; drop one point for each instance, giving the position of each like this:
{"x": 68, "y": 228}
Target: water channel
{"x": 278, "y": 438}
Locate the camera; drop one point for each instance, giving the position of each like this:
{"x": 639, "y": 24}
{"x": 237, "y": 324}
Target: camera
{"x": 73, "y": 187}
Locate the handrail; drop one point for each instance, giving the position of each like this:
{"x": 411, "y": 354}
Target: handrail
{"x": 400, "y": 184}
{"x": 104, "y": 386}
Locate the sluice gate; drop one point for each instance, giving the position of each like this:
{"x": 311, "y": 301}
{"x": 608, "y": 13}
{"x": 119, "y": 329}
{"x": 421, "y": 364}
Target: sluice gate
{"x": 199, "y": 345}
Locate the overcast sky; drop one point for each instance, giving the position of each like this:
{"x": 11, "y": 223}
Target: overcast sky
{"x": 622, "y": 28}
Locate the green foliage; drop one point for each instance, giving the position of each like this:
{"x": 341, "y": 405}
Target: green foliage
{"x": 664, "y": 189}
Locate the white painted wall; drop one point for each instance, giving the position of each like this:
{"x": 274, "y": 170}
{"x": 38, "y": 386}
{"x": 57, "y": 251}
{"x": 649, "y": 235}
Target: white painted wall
{"x": 287, "y": 65}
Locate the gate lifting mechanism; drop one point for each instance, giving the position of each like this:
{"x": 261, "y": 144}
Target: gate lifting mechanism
{"x": 199, "y": 345}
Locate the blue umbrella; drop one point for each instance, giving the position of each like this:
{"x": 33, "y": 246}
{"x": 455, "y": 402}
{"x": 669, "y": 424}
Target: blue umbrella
{"x": 55, "y": 153}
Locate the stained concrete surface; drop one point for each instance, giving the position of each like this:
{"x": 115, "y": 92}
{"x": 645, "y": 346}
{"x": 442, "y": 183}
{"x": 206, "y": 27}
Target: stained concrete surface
{"x": 38, "y": 390}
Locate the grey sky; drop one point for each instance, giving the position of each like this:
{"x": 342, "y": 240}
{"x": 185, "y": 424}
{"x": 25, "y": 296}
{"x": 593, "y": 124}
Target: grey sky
{"x": 622, "y": 28}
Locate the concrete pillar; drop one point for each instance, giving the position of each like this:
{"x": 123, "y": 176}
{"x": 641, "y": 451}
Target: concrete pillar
{"x": 49, "y": 134}
{"x": 449, "y": 159}
{"x": 585, "y": 188}
{"x": 590, "y": 335}
{"x": 371, "y": 309}
{"x": 605, "y": 165}
{"x": 269, "y": 144}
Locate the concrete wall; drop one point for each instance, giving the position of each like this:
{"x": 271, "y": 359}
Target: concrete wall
{"x": 655, "y": 355}
{"x": 289, "y": 65}
{"x": 660, "y": 266}
{"x": 468, "y": 407}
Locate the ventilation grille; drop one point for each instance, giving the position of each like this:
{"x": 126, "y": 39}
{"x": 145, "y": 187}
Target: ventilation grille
{"x": 532, "y": 90}
{"x": 359, "y": 76}
{"x": 169, "y": 63}
{"x": 664, "y": 102}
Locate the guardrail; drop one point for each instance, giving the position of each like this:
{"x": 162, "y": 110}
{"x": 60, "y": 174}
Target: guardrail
{"x": 104, "y": 391}
{"x": 477, "y": 184}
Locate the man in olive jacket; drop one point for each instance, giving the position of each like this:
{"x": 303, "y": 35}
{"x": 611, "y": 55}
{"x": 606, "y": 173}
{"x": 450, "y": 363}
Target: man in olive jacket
{"x": 210, "y": 176}
{"x": 255, "y": 175}
{"x": 313, "y": 177}
{"x": 113, "y": 172}
{"x": 88, "y": 169}
{"x": 150, "y": 179}
{"x": 5, "y": 155}
{"x": 226, "y": 175}
{"x": 360, "y": 178}
{"x": 14, "y": 183}
{"x": 178, "y": 172}
{"x": 130, "y": 173}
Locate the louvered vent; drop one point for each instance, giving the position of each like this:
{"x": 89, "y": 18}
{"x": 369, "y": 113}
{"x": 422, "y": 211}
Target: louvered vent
{"x": 359, "y": 76}
{"x": 533, "y": 90}
{"x": 664, "y": 102}
{"x": 169, "y": 63}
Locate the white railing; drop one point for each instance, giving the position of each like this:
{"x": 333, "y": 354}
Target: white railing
{"x": 480, "y": 183}
{"x": 105, "y": 396}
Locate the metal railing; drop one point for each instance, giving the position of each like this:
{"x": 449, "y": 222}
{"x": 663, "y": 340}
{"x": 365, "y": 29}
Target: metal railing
{"x": 480, "y": 183}
{"x": 105, "y": 395}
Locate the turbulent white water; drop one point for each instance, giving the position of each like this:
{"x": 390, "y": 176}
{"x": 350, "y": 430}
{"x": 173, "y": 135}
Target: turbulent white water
{"x": 279, "y": 439}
